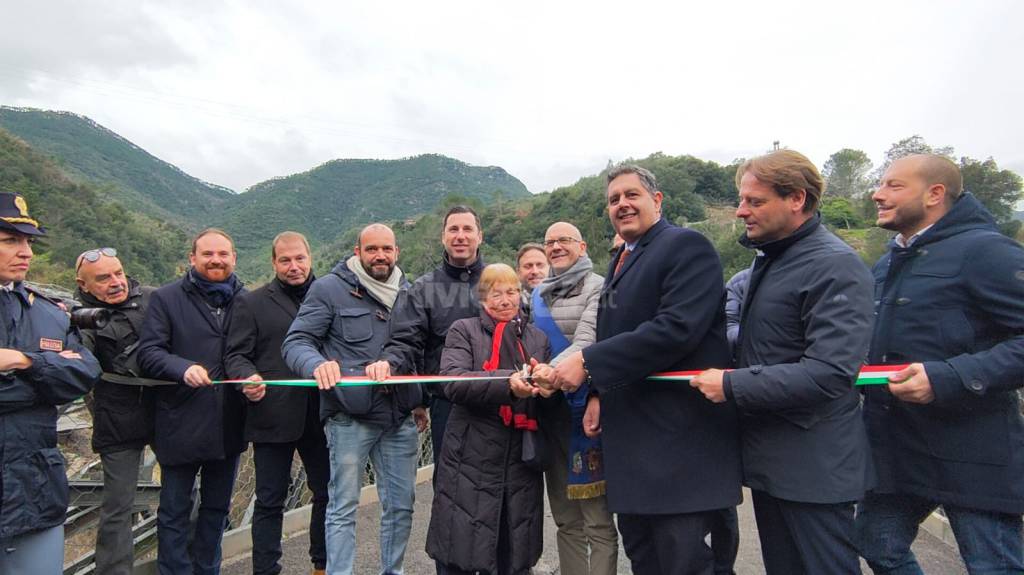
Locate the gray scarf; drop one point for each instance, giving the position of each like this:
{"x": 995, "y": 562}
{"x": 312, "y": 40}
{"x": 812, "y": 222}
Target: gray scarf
{"x": 386, "y": 292}
{"x": 555, "y": 286}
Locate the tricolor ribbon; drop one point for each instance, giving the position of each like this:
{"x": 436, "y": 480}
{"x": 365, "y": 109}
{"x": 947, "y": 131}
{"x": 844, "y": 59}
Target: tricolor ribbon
{"x": 869, "y": 375}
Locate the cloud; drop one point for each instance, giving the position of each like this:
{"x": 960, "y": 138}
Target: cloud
{"x": 237, "y": 92}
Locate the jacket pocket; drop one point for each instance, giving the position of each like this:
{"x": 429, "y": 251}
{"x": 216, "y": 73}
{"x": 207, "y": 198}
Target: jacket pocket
{"x": 969, "y": 436}
{"x": 356, "y": 324}
{"x": 35, "y": 491}
{"x": 355, "y": 400}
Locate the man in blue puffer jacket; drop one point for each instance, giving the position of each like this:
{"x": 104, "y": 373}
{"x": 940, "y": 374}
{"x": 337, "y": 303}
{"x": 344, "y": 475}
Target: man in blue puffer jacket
{"x": 342, "y": 326}
{"x": 42, "y": 365}
{"x": 949, "y": 300}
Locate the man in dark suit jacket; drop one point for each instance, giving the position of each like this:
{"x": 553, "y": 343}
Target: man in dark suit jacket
{"x": 279, "y": 420}
{"x": 671, "y": 458}
{"x": 198, "y": 425}
{"x": 804, "y": 329}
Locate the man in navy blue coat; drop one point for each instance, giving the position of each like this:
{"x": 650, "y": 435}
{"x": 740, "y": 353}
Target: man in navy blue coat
{"x": 198, "y": 425}
{"x": 805, "y": 324}
{"x": 671, "y": 458}
{"x": 949, "y": 300}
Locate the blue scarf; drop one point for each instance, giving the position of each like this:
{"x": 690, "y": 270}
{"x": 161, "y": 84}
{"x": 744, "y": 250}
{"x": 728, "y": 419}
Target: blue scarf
{"x": 217, "y": 294}
{"x": 586, "y": 461}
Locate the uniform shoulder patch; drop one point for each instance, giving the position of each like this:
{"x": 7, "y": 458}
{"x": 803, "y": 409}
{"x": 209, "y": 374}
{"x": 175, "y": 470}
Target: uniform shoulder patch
{"x": 47, "y": 344}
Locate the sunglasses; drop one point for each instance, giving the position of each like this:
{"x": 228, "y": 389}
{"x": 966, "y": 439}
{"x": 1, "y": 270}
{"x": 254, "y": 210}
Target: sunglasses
{"x": 92, "y": 256}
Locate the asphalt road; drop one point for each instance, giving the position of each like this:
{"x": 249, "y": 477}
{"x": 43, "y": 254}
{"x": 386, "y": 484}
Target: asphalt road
{"x": 936, "y": 557}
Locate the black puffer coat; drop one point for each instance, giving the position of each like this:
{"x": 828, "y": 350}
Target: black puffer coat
{"x": 481, "y": 465}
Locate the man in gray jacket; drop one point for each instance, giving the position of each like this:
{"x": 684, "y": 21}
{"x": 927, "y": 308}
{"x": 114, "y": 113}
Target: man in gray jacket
{"x": 564, "y": 306}
{"x": 804, "y": 330}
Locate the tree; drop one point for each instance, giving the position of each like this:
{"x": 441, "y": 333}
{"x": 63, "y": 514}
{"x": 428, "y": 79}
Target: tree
{"x": 846, "y": 173}
{"x": 840, "y": 213}
{"x": 999, "y": 190}
{"x": 913, "y": 145}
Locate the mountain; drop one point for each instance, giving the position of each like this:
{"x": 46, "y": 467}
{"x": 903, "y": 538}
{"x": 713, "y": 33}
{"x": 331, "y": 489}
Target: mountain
{"x": 79, "y": 218}
{"x": 119, "y": 170}
{"x": 326, "y": 202}
{"x": 692, "y": 188}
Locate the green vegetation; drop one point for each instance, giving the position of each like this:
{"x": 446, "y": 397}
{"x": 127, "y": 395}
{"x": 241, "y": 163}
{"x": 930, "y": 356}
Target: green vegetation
{"x": 77, "y": 219}
{"x": 690, "y": 186}
{"x": 120, "y": 170}
{"x": 326, "y": 202}
{"x": 93, "y": 188}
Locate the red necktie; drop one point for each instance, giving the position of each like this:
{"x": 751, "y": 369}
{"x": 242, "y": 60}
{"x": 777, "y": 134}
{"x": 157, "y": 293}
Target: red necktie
{"x": 622, "y": 259}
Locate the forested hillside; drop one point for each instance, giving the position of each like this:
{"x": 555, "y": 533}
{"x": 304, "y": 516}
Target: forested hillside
{"x": 78, "y": 218}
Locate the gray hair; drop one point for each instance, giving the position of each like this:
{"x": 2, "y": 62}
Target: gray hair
{"x": 647, "y": 179}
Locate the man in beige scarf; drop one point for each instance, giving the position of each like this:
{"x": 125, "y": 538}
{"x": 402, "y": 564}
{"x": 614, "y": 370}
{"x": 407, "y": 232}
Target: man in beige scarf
{"x": 342, "y": 326}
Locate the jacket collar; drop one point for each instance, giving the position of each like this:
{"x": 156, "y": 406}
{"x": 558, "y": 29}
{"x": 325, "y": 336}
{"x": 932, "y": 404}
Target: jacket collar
{"x": 283, "y": 300}
{"x": 966, "y": 214}
{"x": 777, "y": 247}
{"x": 641, "y": 246}
{"x": 468, "y": 273}
{"x": 352, "y": 281}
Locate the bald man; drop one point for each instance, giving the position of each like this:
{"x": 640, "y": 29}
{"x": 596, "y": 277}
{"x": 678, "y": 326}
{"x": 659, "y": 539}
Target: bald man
{"x": 123, "y": 407}
{"x": 340, "y": 328}
{"x": 947, "y": 430}
{"x": 564, "y": 306}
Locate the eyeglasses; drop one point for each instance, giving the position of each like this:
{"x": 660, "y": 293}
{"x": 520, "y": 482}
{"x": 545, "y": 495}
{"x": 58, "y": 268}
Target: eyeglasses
{"x": 92, "y": 256}
{"x": 564, "y": 241}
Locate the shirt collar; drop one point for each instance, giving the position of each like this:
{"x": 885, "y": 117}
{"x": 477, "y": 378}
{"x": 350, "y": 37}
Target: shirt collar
{"x": 907, "y": 242}
{"x": 630, "y": 246}
{"x": 8, "y": 287}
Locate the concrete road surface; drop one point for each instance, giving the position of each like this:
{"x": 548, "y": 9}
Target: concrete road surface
{"x": 936, "y": 557}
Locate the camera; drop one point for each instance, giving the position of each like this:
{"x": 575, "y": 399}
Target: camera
{"x": 90, "y": 317}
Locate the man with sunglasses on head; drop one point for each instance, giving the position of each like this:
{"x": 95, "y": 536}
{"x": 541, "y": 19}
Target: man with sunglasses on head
{"x": 198, "y": 425}
{"x": 42, "y": 365}
{"x": 122, "y": 402}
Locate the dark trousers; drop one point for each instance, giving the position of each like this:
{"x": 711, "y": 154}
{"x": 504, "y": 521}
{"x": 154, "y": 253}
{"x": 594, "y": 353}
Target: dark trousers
{"x": 115, "y": 547}
{"x": 273, "y": 477}
{"x": 668, "y": 544}
{"x": 216, "y": 479}
{"x": 805, "y": 538}
{"x": 725, "y": 540}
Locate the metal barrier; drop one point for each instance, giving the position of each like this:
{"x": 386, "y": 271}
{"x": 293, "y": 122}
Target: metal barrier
{"x": 85, "y": 477}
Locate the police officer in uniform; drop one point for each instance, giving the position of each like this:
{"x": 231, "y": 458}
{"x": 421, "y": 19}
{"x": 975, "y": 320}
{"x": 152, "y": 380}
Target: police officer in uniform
{"x": 42, "y": 365}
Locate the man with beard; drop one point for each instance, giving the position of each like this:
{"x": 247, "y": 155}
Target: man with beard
{"x": 531, "y": 266}
{"x": 341, "y": 327}
{"x": 42, "y": 365}
{"x": 279, "y": 420}
{"x": 564, "y": 307}
{"x": 947, "y": 430}
{"x": 122, "y": 402}
{"x": 436, "y": 300}
{"x": 198, "y": 424}
{"x": 804, "y": 328}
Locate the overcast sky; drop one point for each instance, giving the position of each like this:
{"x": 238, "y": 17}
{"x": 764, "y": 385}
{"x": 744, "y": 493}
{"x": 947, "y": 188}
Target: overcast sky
{"x": 238, "y": 92}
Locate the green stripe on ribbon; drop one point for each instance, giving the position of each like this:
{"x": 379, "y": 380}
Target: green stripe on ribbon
{"x": 870, "y": 375}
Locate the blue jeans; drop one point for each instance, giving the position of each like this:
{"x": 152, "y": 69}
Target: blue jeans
{"x": 217, "y": 478}
{"x": 38, "y": 552}
{"x": 393, "y": 454}
{"x": 886, "y": 525}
